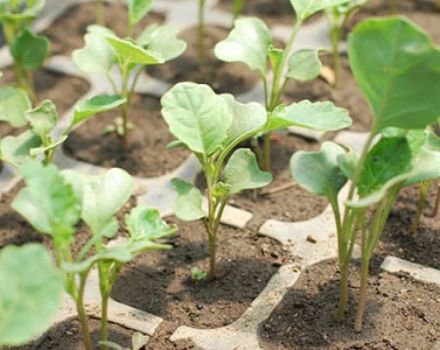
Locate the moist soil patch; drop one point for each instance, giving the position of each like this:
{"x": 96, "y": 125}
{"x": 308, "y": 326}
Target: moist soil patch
{"x": 282, "y": 199}
{"x": 145, "y": 153}
{"x": 62, "y": 89}
{"x": 400, "y": 313}
{"x": 67, "y": 336}
{"x": 272, "y": 12}
{"x": 160, "y": 282}
{"x": 199, "y": 64}
{"x": 77, "y": 18}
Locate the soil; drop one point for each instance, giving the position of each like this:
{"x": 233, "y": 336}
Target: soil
{"x": 160, "y": 282}
{"x": 274, "y": 202}
{"x": 77, "y": 18}
{"x": 400, "y": 313}
{"x": 422, "y": 247}
{"x": 223, "y": 77}
{"x": 272, "y": 12}
{"x": 63, "y": 90}
{"x": 145, "y": 154}
{"x": 67, "y": 336}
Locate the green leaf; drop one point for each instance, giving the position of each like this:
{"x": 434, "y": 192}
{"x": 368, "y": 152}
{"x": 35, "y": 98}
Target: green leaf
{"x": 144, "y": 223}
{"x": 398, "y": 68}
{"x": 103, "y": 196}
{"x": 306, "y": 8}
{"x": 86, "y": 109}
{"x": 29, "y": 50}
{"x": 304, "y": 65}
{"x": 16, "y": 150}
{"x": 30, "y": 293}
{"x": 138, "y": 9}
{"x": 47, "y": 202}
{"x": 249, "y": 43}
{"x": 247, "y": 118}
{"x": 163, "y": 41}
{"x": 97, "y": 56}
{"x": 42, "y": 120}
{"x": 197, "y": 116}
{"x": 20, "y": 11}
{"x": 14, "y": 103}
{"x": 389, "y": 158}
{"x": 319, "y": 172}
{"x": 323, "y": 116}
{"x": 242, "y": 172}
{"x": 129, "y": 53}
{"x": 188, "y": 203}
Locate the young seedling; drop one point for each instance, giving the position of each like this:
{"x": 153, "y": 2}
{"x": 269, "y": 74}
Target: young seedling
{"x": 198, "y": 275}
{"x": 398, "y": 68}
{"x": 104, "y": 53}
{"x": 337, "y": 17}
{"x": 54, "y": 202}
{"x": 212, "y": 127}
{"x": 27, "y": 49}
{"x": 30, "y": 293}
{"x": 250, "y": 42}
{"x": 41, "y": 139}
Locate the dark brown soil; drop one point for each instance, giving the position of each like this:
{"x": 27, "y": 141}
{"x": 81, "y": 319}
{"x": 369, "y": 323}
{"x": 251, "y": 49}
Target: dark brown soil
{"x": 422, "y": 247}
{"x": 145, "y": 154}
{"x": 290, "y": 204}
{"x": 160, "y": 282}
{"x": 76, "y": 20}
{"x": 63, "y": 90}
{"x": 270, "y": 11}
{"x": 203, "y": 67}
{"x": 400, "y": 314}
{"x": 67, "y": 336}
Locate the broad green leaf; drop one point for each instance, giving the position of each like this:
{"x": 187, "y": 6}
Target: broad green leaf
{"x": 14, "y": 103}
{"x": 323, "y": 116}
{"x": 129, "y": 53}
{"x": 16, "y": 150}
{"x": 144, "y": 223}
{"x": 247, "y": 118}
{"x": 197, "y": 116}
{"x": 248, "y": 42}
{"x": 30, "y": 50}
{"x": 389, "y": 158}
{"x": 42, "y": 119}
{"x": 163, "y": 41}
{"x": 86, "y": 109}
{"x": 47, "y": 202}
{"x": 97, "y": 56}
{"x": 398, "y": 69}
{"x": 242, "y": 172}
{"x": 188, "y": 203}
{"x": 307, "y": 8}
{"x": 319, "y": 172}
{"x": 30, "y": 293}
{"x": 304, "y": 65}
{"x": 138, "y": 9}
{"x": 103, "y": 196}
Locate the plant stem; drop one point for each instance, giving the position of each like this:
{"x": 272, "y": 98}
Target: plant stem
{"x": 82, "y": 316}
{"x": 201, "y": 31}
{"x": 237, "y": 8}
{"x": 100, "y": 13}
{"x": 423, "y": 193}
{"x": 124, "y": 107}
{"x": 335, "y": 36}
{"x": 392, "y": 6}
{"x": 343, "y": 292}
{"x": 363, "y": 293}
{"x": 212, "y": 255}
{"x": 104, "y": 319}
